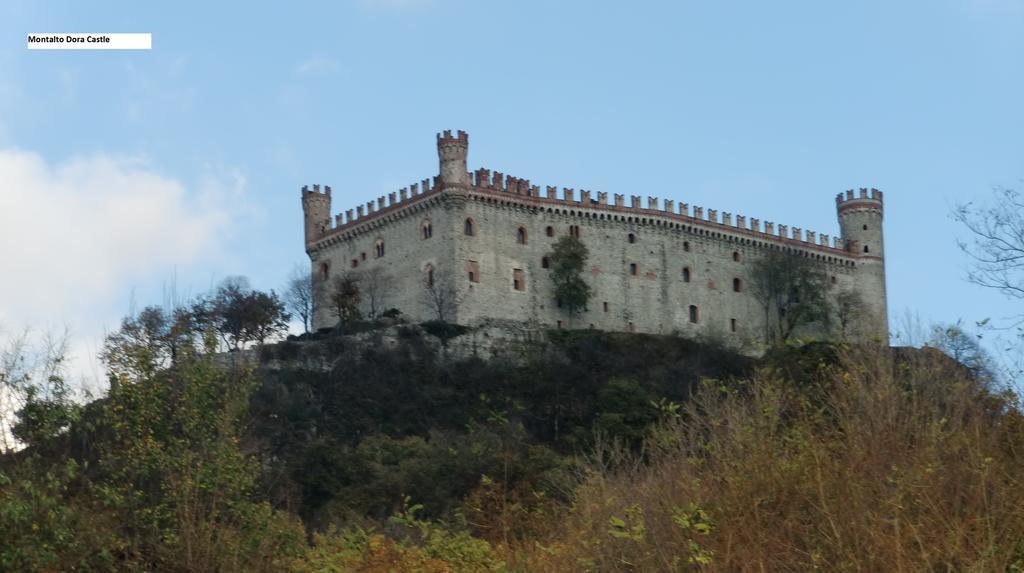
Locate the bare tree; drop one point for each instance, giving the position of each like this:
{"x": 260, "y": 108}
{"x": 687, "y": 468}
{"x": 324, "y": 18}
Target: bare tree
{"x": 440, "y": 296}
{"x": 344, "y": 297}
{"x": 791, "y": 290}
{"x": 376, "y": 286}
{"x": 298, "y": 295}
{"x": 849, "y": 307}
{"x": 997, "y": 247}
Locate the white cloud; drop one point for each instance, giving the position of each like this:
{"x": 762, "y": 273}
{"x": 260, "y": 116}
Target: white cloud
{"x": 73, "y": 235}
{"x": 317, "y": 66}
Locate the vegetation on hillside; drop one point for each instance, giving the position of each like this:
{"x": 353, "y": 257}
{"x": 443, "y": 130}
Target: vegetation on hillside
{"x": 595, "y": 452}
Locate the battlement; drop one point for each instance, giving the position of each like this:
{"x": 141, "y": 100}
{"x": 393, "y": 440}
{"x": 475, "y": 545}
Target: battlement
{"x": 494, "y": 182}
{"x": 461, "y": 138}
{"x": 311, "y": 194}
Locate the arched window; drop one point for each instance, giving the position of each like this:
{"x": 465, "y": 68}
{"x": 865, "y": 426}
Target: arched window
{"x": 549, "y": 231}
{"x": 378, "y": 248}
{"x": 866, "y": 249}
{"x": 732, "y": 324}
{"x": 686, "y": 274}
{"x": 469, "y": 228}
{"x": 631, "y": 237}
{"x": 736, "y": 256}
{"x": 833, "y": 279}
{"x": 574, "y": 231}
{"x": 355, "y": 263}
{"x": 429, "y": 271}
{"x": 545, "y": 263}
{"x": 686, "y": 246}
{"x": 694, "y": 314}
{"x": 737, "y": 285}
{"x": 427, "y": 228}
{"x": 521, "y": 236}
{"x": 325, "y": 270}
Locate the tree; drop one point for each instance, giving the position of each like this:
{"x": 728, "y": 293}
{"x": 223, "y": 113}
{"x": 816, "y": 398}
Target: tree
{"x": 849, "y": 307}
{"x": 376, "y": 285}
{"x": 440, "y": 296}
{"x": 997, "y": 247}
{"x": 964, "y": 348}
{"x": 568, "y": 259}
{"x": 299, "y": 294}
{"x": 239, "y": 314}
{"x": 344, "y": 297}
{"x": 791, "y": 290}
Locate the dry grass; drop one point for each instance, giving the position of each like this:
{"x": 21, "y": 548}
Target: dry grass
{"x": 882, "y": 464}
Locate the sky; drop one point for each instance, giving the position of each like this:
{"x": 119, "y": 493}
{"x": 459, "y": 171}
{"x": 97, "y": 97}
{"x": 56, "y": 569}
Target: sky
{"x": 134, "y": 177}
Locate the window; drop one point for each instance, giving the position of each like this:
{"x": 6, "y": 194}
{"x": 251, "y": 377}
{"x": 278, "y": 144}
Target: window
{"x": 737, "y": 285}
{"x": 632, "y": 269}
{"x": 521, "y": 236}
{"x": 473, "y": 270}
{"x": 549, "y": 231}
{"x": 378, "y": 248}
{"x": 574, "y": 231}
{"x": 429, "y": 270}
{"x": 362, "y": 256}
{"x": 866, "y": 249}
{"x": 518, "y": 280}
{"x": 833, "y": 279}
{"x": 694, "y": 314}
{"x": 686, "y": 246}
{"x": 736, "y": 256}
{"x": 631, "y": 237}
{"x": 686, "y": 274}
{"x": 559, "y": 325}
{"x": 545, "y": 263}
{"x": 427, "y": 229}
{"x": 865, "y": 227}
{"x": 606, "y": 306}
{"x": 732, "y": 324}
{"x": 469, "y": 228}
{"x": 631, "y": 327}
{"x": 325, "y": 270}
{"x": 355, "y": 263}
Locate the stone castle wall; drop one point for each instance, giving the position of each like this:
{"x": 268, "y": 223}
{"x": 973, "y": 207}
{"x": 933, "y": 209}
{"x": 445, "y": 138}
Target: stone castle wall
{"x": 717, "y": 249}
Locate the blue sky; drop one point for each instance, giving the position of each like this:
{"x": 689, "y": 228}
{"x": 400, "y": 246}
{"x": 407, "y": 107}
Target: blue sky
{"x": 127, "y": 171}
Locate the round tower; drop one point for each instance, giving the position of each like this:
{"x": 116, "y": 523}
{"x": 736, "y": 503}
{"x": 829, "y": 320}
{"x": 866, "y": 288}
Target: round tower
{"x": 316, "y": 211}
{"x": 452, "y": 154}
{"x": 860, "y": 224}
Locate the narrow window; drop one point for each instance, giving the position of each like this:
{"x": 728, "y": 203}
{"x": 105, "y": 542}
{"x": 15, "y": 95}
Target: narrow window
{"x": 732, "y": 324}
{"x": 693, "y": 314}
{"x": 518, "y": 280}
{"x": 606, "y": 306}
{"x": 632, "y": 269}
{"x": 362, "y": 256}
{"x": 473, "y": 270}
{"x": 736, "y": 256}
{"x": 430, "y": 274}
{"x": 469, "y": 228}
{"x": 632, "y": 238}
{"x": 833, "y": 279}
{"x": 549, "y": 231}
{"x": 325, "y": 270}
{"x": 378, "y": 248}
{"x": 686, "y": 246}
{"x": 355, "y": 263}
{"x": 737, "y": 285}
{"x": 559, "y": 325}
{"x": 545, "y": 262}
{"x": 574, "y": 231}
{"x": 521, "y": 236}
{"x": 865, "y": 227}
{"x": 686, "y": 274}
{"x": 866, "y": 249}
{"x": 428, "y": 229}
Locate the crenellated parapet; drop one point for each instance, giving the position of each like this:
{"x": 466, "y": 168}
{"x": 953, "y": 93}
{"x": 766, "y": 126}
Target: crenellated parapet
{"x": 452, "y": 152}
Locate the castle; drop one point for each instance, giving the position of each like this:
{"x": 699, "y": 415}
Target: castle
{"x": 472, "y": 246}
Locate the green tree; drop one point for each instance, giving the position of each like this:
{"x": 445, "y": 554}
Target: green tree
{"x": 568, "y": 259}
{"x": 344, "y": 297}
{"x": 792, "y": 292}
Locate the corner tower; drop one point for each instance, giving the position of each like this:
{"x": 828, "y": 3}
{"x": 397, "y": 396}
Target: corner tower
{"x": 451, "y": 152}
{"x": 860, "y": 224}
{"x": 316, "y": 211}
